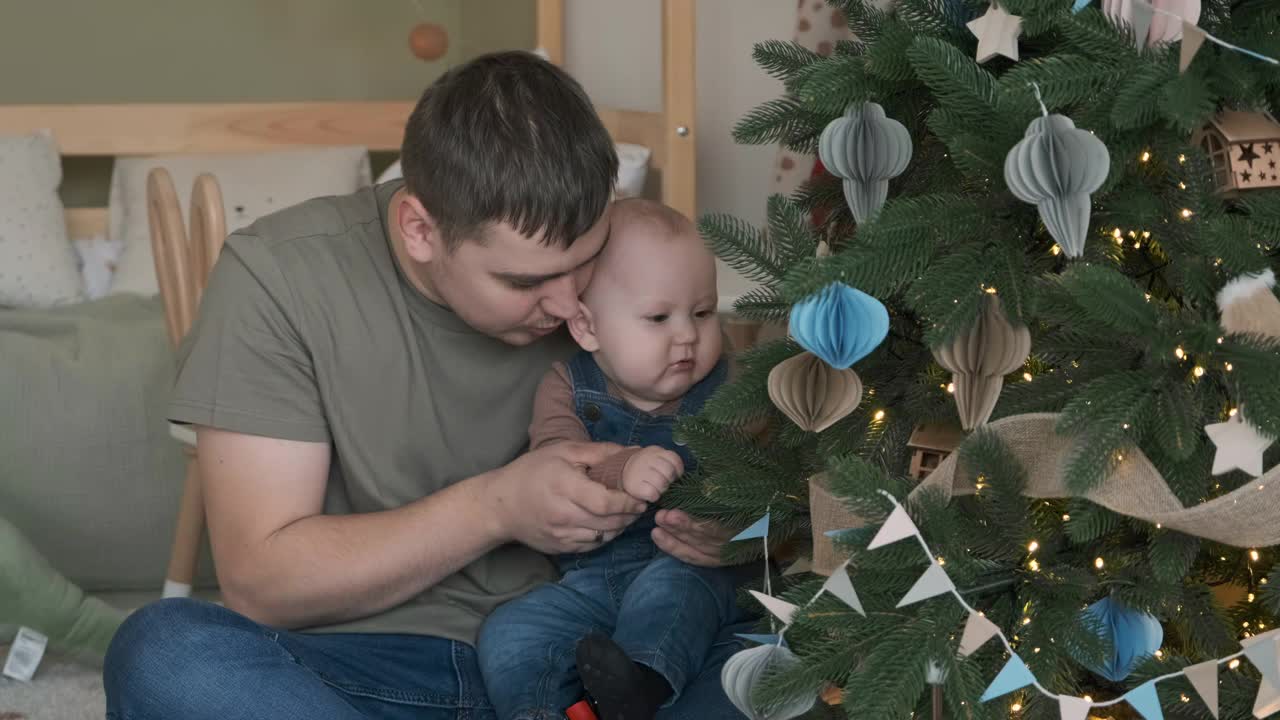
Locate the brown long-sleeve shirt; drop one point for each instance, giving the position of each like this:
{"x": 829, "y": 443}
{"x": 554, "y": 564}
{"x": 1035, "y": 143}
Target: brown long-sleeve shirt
{"x": 555, "y": 420}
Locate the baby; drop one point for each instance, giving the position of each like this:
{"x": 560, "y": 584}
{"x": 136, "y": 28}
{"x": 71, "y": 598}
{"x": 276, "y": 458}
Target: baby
{"x": 628, "y": 623}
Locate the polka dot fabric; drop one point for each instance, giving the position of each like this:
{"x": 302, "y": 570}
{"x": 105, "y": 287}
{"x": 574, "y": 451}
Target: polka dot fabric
{"x": 37, "y": 263}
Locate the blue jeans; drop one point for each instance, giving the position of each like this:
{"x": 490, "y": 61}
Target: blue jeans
{"x": 188, "y": 659}
{"x": 678, "y": 619}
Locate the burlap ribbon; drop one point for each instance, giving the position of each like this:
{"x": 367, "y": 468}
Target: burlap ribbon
{"x": 1247, "y": 517}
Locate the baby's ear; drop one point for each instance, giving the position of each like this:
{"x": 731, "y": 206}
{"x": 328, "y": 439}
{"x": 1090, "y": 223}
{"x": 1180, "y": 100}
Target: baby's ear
{"x": 583, "y": 329}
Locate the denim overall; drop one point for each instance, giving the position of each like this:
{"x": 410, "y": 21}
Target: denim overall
{"x": 663, "y": 612}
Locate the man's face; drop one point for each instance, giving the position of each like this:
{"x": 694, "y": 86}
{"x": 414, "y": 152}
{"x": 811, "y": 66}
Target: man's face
{"x": 512, "y": 287}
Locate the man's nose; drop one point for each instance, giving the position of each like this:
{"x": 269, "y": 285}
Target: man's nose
{"x": 561, "y": 299}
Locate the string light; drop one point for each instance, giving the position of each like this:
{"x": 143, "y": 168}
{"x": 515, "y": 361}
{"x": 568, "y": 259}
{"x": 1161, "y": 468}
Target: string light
{"x": 991, "y": 291}
{"x": 1146, "y": 155}
{"x": 1066, "y": 518}
{"x": 879, "y": 415}
{"x": 951, "y": 388}
{"x": 1026, "y": 621}
{"x": 1198, "y": 371}
{"x": 1253, "y": 555}
{"x": 1250, "y": 597}
{"x": 1098, "y": 563}
{"x": 1186, "y": 213}
{"x": 1234, "y": 664}
{"x": 1159, "y": 653}
{"x": 1016, "y": 707}
{"x": 1183, "y": 697}
{"x": 1182, "y": 159}
{"x": 1088, "y": 698}
{"x": 1231, "y": 413}
{"x": 1026, "y": 376}
{"x": 1229, "y": 367}
{"x": 1219, "y": 341}
{"x": 1180, "y": 353}
{"x": 1055, "y": 250}
{"x": 942, "y": 560}
{"x": 1182, "y": 186}
{"x": 1034, "y": 546}
{"x": 1035, "y": 566}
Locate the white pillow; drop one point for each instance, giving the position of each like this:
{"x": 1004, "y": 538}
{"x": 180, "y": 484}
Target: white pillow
{"x": 98, "y": 257}
{"x": 253, "y": 185}
{"x": 37, "y": 265}
{"x": 633, "y": 167}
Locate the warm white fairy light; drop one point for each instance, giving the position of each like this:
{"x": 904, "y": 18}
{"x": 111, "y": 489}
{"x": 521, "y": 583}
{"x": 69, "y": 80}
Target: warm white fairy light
{"x": 1198, "y": 371}
{"x": 1098, "y": 563}
{"x": 1182, "y": 186}
{"x": 1026, "y": 376}
{"x": 1026, "y": 621}
{"x": 1251, "y": 597}
{"x": 951, "y": 388}
{"x": 1182, "y": 159}
{"x": 942, "y": 560}
{"x": 1253, "y": 555}
{"x": 1232, "y": 412}
{"x": 1186, "y": 213}
{"x": 1016, "y": 707}
{"x": 1034, "y": 565}
{"x": 1034, "y": 546}
{"x": 879, "y": 415}
{"x": 1065, "y": 518}
{"x": 1180, "y": 353}
{"x": 1146, "y": 155}
{"x": 1056, "y": 249}
{"x": 1229, "y": 367}
{"x": 1234, "y": 664}
{"x": 1159, "y": 653}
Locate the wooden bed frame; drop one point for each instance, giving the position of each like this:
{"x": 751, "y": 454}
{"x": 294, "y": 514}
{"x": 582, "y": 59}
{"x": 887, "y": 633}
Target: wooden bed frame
{"x": 164, "y": 129}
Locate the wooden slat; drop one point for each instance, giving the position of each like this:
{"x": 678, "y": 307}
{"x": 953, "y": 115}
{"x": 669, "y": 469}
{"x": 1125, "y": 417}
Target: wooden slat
{"x": 157, "y": 129}
{"x": 551, "y": 29}
{"x": 679, "y": 72}
{"x": 85, "y": 222}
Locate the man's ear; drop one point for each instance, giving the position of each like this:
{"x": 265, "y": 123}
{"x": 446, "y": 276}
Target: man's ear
{"x": 421, "y": 234}
{"x": 583, "y": 329}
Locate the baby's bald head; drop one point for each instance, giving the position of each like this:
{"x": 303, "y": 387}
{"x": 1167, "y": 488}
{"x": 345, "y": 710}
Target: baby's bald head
{"x": 650, "y": 310}
{"x": 646, "y": 237}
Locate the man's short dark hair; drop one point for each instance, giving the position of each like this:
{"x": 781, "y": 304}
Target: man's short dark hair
{"x": 509, "y": 137}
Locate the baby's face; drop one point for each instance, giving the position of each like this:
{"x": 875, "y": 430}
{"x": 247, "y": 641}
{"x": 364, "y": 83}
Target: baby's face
{"x": 653, "y": 310}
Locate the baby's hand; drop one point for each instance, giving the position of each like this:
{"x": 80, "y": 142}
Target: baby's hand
{"x": 650, "y": 472}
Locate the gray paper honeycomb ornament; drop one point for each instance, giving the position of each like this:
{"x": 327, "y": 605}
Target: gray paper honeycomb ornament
{"x": 865, "y": 149}
{"x": 743, "y": 672}
{"x": 1057, "y": 166}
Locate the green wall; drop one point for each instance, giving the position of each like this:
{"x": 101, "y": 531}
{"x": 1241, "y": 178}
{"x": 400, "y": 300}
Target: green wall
{"x": 105, "y": 51}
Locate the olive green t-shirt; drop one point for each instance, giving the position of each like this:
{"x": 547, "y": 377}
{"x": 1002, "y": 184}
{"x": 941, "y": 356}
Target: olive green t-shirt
{"x": 310, "y": 331}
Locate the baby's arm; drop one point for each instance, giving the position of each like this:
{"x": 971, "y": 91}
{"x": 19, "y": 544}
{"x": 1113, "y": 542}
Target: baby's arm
{"x": 554, "y": 420}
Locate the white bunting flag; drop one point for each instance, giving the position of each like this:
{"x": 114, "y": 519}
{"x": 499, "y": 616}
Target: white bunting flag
{"x": 897, "y": 527}
{"x": 1192, "y": 39}
{"x": 977, "y": 631}
{"x": 1073, "y": 708}
{"x": 781, "y": 609}
{"x": 1268, "y": 700}
{"x": 932, "y": 583}
{"x": 1204, "y": 678}
{"x": 1262, "y": 652}
{"x": 802, "y": 565}
{"x": 841, "y": 586}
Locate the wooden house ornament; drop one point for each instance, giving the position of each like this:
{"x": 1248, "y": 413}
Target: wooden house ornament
{"x": 1244, "y": 148}
{"x": 930, "y": 444}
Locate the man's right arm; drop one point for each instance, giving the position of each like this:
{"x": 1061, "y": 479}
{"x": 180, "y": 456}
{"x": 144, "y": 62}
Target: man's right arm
{"x": 284, "y": 563}
{"x": 245, "y": 369}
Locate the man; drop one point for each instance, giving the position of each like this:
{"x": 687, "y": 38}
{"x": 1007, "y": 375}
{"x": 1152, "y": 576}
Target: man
{"x": 360, "y": 378}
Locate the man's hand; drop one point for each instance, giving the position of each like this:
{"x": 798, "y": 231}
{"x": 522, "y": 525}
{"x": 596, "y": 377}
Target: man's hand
{"x": 697, "y": 542}
{"x": 650, "y": 472}
{"x": 545, "y": 500}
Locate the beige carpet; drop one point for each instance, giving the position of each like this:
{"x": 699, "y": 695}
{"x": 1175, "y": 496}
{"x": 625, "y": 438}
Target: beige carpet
{"x": 61, "y": 690}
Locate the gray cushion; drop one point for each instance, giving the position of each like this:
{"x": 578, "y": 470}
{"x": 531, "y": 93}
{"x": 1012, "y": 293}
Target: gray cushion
{"x": 88, "y": 470}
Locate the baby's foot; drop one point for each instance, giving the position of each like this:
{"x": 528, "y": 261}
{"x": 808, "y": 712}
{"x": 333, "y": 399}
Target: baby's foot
{"x": 621, "y": 689}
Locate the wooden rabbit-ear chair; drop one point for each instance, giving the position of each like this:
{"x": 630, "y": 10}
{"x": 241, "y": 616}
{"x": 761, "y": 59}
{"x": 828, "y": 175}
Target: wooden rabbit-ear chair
{"x": 183, "y": 265}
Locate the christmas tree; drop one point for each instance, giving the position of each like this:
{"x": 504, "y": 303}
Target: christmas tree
{"x": 1081, "y": 221}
